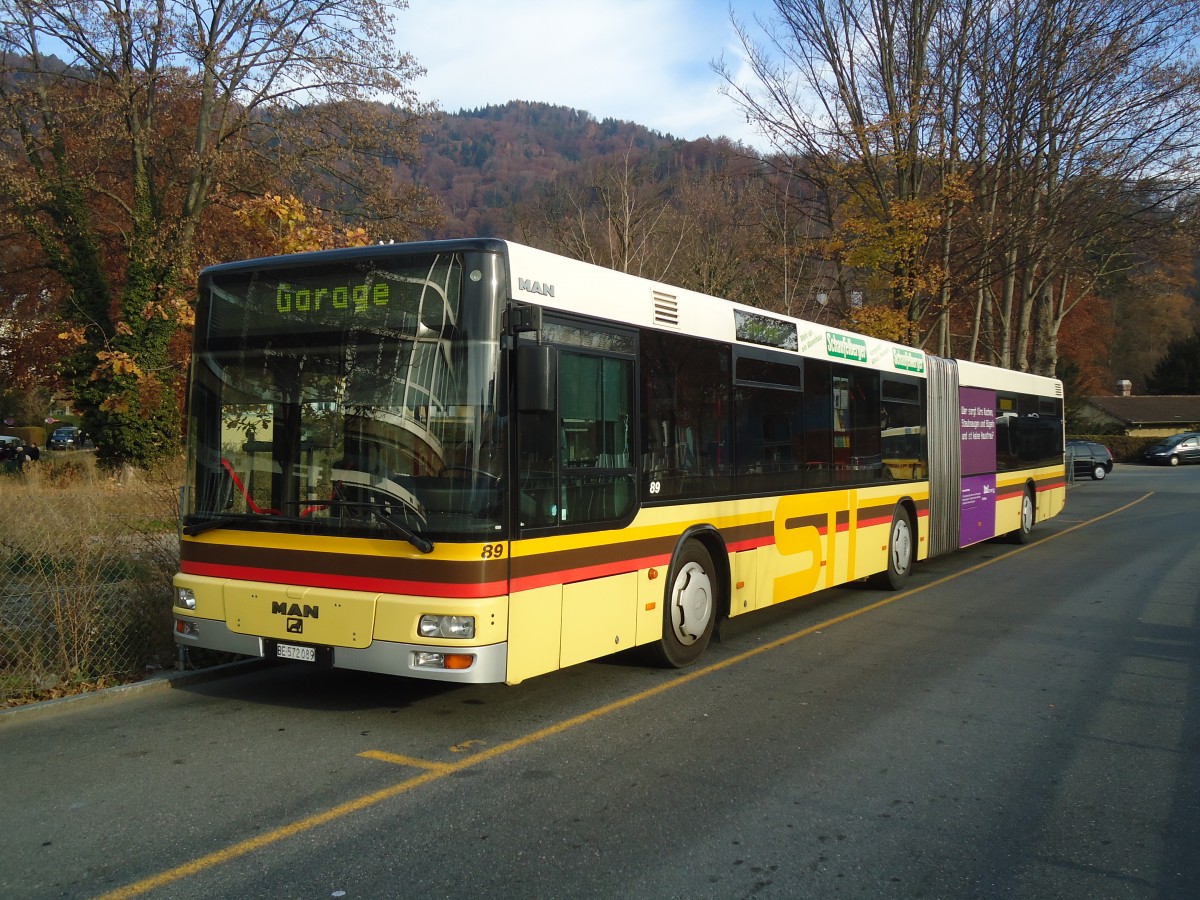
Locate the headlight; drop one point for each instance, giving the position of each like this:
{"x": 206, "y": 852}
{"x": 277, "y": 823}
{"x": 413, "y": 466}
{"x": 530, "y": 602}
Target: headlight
{"x": 460, "y": 627}
{"x": 185, "y": 598}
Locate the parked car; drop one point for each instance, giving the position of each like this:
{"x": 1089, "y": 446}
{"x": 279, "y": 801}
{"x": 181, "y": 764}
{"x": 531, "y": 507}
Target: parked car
{"x": 9, "y": 441}
{"x": 1178, "y": 448}
{"x": 65, "y": 438}
{"x": 1089, "y": 458}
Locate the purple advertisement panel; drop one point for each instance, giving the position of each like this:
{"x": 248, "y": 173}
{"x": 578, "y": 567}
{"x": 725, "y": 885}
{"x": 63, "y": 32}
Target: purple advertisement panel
{"x": 977, "y": 421}
{"x": 977, "y": 505}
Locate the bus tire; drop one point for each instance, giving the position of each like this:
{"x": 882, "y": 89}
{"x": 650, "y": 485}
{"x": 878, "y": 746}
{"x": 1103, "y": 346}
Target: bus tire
{"x": 1024, "y": 532}
{"x": 690, "y": 605}
{"x": 901, "y": 553}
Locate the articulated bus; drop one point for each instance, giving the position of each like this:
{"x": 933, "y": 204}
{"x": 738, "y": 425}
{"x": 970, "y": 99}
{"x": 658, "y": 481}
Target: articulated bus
{"x": 473, "y": 461}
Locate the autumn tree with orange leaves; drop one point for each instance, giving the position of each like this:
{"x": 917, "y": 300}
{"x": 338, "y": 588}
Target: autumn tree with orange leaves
{"x": 152, "y": 124}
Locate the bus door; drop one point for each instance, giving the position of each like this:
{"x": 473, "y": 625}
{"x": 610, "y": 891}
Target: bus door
{"x": 575, "y": 481}
{"x": 575, "y": 422}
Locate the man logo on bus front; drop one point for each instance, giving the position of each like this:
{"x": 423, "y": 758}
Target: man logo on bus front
{"x": 295, "y": 626}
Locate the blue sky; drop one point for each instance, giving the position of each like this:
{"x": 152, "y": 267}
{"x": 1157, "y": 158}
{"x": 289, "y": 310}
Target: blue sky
{"x": 645, "y": 61}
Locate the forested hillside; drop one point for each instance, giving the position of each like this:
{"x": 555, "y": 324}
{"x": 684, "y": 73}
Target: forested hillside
{"x": 483, "y": 163}
{"x": 489, "y": 166}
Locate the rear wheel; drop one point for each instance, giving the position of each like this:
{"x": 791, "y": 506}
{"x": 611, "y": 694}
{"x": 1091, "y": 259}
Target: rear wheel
{"x": 1098, "y": 472}
{"x": 1024, "y": 532}
{"x": 689, "y": 607}
{"x": 901, "y": 553}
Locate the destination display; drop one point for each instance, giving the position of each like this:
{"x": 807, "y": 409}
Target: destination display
{"x": 302, "y": 299}
{"x": 364, "y": 295}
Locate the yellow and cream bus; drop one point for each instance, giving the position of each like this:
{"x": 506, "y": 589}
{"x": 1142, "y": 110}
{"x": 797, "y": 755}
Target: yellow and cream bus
{"x": 474, "y": 461}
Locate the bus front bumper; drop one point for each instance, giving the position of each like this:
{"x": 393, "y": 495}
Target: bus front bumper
{"x": 488, "y": 666}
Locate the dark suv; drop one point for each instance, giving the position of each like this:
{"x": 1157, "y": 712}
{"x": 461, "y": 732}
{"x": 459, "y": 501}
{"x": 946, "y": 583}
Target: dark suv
{"x": 65, "y": 438}
{"x": 1089, "y": 458}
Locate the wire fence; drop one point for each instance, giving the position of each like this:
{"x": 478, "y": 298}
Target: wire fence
{"x": 86, "y": 561}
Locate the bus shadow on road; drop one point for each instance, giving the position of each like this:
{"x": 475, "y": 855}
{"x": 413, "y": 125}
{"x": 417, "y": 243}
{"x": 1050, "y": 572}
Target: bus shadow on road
{"x": 315, "y": 688}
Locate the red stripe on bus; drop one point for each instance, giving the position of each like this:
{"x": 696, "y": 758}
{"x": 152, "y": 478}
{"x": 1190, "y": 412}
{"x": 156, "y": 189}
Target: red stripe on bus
{"x": 619, "y": 567}
{"x": 346, "y": 582}
{"x": 586, "y": 573}
{"x": 870, "y": 523}
{"x": 750, "y": 544}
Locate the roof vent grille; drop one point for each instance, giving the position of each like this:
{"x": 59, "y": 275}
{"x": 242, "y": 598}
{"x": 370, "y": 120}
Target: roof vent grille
{"x": 666, "y": 309}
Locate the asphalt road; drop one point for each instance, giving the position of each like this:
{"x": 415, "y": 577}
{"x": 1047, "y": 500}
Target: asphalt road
{"x": 1022, "y": 722}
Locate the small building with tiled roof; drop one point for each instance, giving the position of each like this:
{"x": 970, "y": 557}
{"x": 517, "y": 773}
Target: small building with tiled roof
{"x": 1143, "y": 415}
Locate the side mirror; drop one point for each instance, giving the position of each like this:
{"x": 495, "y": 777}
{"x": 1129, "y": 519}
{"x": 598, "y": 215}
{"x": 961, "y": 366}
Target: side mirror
{"x": 537, "y": 378}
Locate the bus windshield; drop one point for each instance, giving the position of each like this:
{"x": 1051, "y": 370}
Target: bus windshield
{"x": 357, "y": 398}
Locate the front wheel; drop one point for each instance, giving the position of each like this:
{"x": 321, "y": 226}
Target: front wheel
{"x": 690, "y": 607}
{"x": 1098, "y": 472}
{"x": 901, "y": 553}
{"x": 1174, "y": 461}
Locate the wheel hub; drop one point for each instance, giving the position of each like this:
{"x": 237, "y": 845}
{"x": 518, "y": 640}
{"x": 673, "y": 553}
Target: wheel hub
{"x": 901, "y": 547}
{"x": 691, "y": 603}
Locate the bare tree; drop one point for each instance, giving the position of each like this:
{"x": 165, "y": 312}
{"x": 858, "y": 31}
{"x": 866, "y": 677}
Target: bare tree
{"x": 1033, "y": 126}
{"x": 845, "y": 87}
{"x": 743, "y": 240}
{"x": 620, "y": 215}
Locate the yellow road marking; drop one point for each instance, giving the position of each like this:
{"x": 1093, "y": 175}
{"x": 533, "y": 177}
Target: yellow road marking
{"x": 437, "y": 771}
{"x": 400, "y": 760}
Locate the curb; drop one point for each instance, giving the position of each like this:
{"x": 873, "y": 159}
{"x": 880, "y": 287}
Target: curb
{"x": 160, "y": 681}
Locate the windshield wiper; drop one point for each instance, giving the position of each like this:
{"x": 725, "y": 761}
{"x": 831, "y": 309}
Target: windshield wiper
{"x": 421, "y": 543}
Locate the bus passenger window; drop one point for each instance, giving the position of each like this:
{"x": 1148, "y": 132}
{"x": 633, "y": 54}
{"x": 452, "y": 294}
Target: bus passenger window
{"x": 1029, "y": 432}
{"x": 903, "y": 446}
{"x": 866, "y": 457}
{"x": 818, "y": 423}
{"x": 768, "y": 407}
{"x": 687, "y": 439}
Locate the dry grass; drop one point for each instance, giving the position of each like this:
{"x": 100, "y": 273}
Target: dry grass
{"x": 86, "y": 560}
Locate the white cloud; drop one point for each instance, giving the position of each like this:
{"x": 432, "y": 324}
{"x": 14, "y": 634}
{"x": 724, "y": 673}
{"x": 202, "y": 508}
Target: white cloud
{"x": 646, "y": 61}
